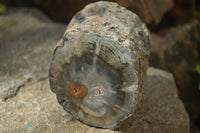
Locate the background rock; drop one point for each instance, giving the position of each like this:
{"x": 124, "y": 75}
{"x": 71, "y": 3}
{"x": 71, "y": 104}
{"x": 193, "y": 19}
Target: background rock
{"x": 147, "y": 10}
{"x": 26, "y": 47}
{"x": 150, "y": 11}
{"x": 177, "y": 50}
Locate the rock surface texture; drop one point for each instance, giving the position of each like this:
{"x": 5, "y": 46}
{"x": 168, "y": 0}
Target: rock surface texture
{"x": 23, "y": 44}
{"x": 27, "y": 104}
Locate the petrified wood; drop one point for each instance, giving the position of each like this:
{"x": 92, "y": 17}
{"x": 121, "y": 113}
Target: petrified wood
{"x": 99, "y": 65}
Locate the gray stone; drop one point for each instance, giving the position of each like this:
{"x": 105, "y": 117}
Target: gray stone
{"x": 26, "y": 45}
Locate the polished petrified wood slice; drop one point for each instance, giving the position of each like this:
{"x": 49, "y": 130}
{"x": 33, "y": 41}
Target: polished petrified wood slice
{"x": 99, "y": 65}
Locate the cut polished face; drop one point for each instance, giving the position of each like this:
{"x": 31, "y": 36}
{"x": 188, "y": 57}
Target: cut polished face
{"x": 96, "y": 82}
{"x": 91, "y": 85}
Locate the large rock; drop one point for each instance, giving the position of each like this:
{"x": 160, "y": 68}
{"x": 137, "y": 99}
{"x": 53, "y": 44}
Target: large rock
{"x": 27, "y": 41}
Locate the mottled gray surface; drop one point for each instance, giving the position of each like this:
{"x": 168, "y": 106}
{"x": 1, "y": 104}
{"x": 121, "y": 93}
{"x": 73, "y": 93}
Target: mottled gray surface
{"x": 26, "y": 45}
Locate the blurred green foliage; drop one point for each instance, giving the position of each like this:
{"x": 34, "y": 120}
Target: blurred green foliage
{"x": 3, "y": 8}
{"x": 196, "y": 13}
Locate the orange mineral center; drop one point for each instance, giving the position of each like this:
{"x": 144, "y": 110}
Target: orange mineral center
{"x": 77, "y": 91}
